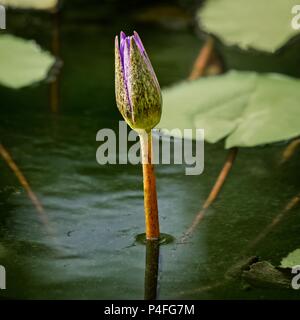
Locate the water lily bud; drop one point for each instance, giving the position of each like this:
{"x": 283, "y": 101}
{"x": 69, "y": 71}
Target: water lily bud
{"x": 138, "y": 93}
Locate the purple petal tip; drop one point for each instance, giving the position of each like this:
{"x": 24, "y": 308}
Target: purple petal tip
{"x": 122, "y": 35}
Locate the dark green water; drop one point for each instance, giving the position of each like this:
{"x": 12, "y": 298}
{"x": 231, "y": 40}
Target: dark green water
{"x": 96, "y": 211}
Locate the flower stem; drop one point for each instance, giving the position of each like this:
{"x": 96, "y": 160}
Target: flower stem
{"x": 150, "y": 196}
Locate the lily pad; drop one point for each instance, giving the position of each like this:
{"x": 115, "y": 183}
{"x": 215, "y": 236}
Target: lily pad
{"x": 30, "y": 4}
{"x": 22, "y": 62}
{"x": 246, "y": 108}
{"x": 292, "y": 260}
{"x": 257, "y": 24}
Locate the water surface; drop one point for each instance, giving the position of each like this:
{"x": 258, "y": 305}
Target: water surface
{"x": 96, "y": 211}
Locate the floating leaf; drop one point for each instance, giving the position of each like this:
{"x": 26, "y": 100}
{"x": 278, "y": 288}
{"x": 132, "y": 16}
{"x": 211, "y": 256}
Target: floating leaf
{"x": 258, "y": 24}
{"x": 246, "y": 108}
{"x": 30, "y": 4}
{"x": 22, "y": 62}
{"x": 292, "y": 260}
{"x": 264, "y": 275}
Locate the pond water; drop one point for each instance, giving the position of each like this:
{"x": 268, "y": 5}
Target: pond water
{"x": 95, "y": 212}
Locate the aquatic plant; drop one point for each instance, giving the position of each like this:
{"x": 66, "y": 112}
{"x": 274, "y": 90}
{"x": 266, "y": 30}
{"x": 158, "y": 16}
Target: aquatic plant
{"x": 139, "y": 100}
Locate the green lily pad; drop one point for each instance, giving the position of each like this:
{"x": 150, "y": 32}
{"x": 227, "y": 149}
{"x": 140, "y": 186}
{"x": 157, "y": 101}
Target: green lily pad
{"x": 30, "y": 4}
{"x": 246, "y": 108}
{"x": 22, "y": 62}
{"x": 292, "y": 260}
{"x": 257, "y": 24}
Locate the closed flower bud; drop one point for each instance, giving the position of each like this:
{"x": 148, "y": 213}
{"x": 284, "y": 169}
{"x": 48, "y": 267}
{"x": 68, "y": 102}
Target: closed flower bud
{"x": 138, "y": 92}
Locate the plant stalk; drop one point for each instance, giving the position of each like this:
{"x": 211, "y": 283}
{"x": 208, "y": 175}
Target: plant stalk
{"x": 213, "y": 193}
{"x": 150, "y": 195}
{"x": 25, "y": 184}
{"x": 202, "y": 60}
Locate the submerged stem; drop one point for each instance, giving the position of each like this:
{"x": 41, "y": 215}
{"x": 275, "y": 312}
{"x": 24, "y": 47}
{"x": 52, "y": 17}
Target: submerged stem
{"x": 276, "y": 220}
{"x": 23, "y": 181}
{"x": 214, "y": 192}
{"x": 150, "y": 196}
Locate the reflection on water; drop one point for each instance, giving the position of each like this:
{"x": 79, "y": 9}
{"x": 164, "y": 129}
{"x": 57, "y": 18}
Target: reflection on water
{"x": 96, "y": 211}
{"x": 151, "y": 270}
